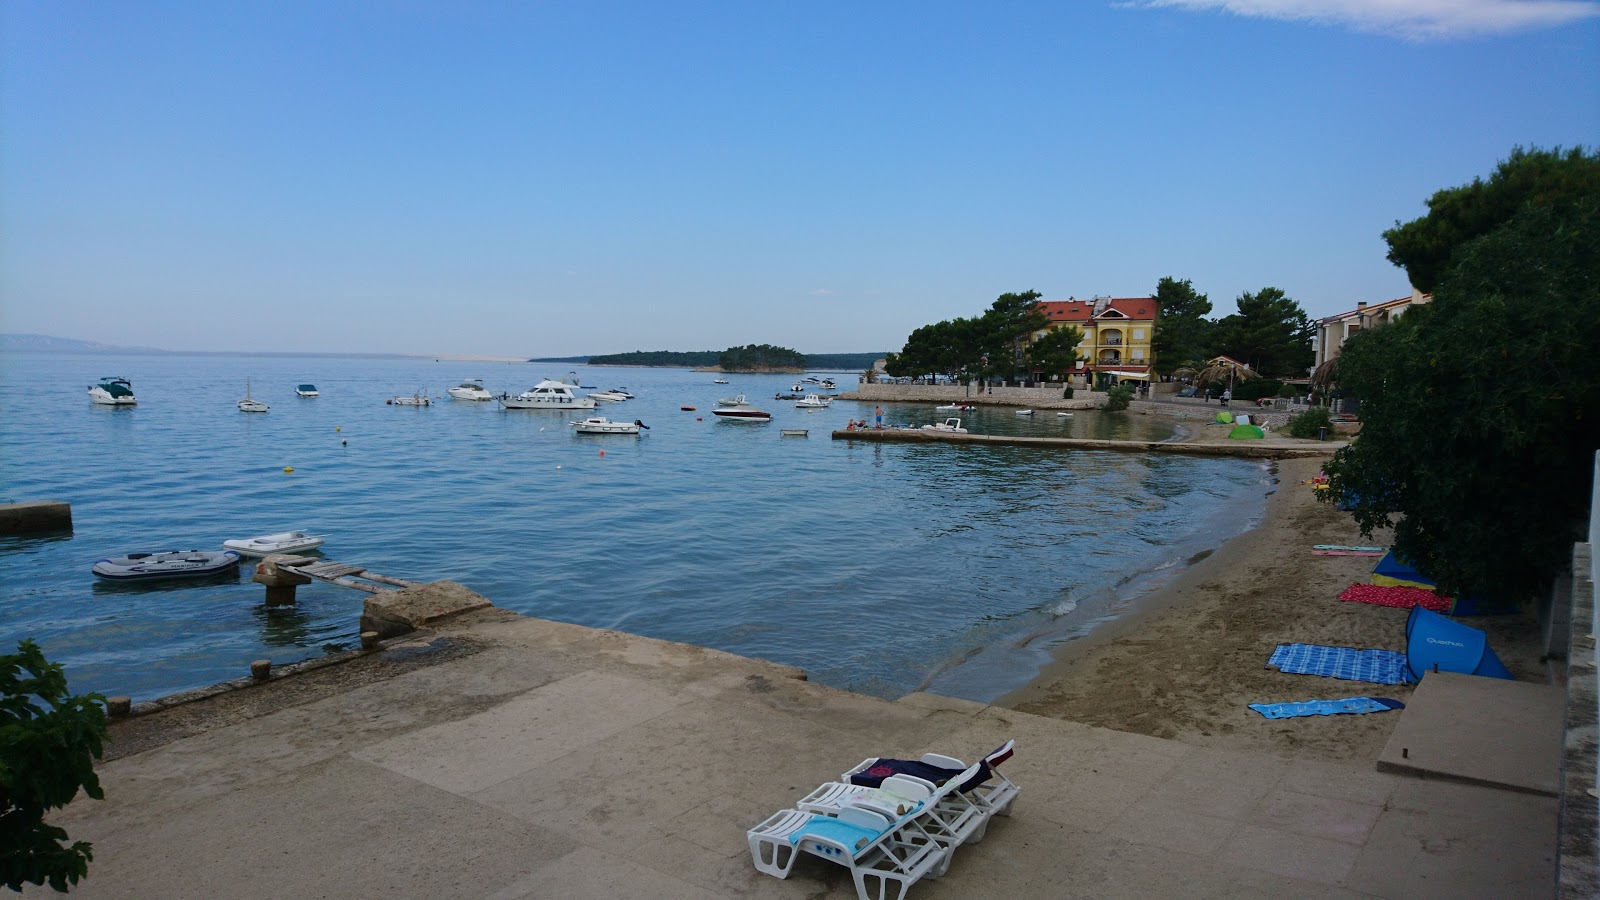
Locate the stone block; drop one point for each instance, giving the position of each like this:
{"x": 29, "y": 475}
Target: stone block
{"x": 34, "y": 516}
{"x": 393, "y": 613}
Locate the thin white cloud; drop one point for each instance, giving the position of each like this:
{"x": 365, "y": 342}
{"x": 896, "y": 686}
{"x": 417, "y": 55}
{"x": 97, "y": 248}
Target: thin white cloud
{"x": 1410, "y": 19}
{"x": 822, "y": 292}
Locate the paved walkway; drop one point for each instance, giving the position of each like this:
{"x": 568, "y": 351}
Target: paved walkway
{"x": 509, "y": 757}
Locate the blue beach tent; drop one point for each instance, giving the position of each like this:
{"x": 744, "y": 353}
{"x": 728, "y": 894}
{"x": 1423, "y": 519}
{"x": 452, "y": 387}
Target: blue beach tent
{"x": 1435, "y": 642}
{"x": 1391, "y": 571}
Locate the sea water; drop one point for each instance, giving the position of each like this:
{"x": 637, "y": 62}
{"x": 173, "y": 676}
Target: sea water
{"x": 880, "y": 568}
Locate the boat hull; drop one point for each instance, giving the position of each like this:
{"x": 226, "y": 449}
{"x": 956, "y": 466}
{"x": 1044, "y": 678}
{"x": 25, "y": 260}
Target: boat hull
{"x": 742, "y": 415}
{"x": 283, "y": 542}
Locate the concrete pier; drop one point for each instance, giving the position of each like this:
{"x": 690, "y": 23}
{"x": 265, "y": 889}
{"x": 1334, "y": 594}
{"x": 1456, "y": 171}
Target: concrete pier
{"x": 34, "y": 517}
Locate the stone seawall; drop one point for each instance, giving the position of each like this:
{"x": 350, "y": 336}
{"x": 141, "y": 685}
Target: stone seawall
{"x": 1042, "y": 397}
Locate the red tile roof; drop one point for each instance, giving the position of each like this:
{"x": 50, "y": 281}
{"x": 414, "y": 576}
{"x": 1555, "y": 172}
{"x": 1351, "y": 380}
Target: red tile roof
{"x": 1076, "y": 311}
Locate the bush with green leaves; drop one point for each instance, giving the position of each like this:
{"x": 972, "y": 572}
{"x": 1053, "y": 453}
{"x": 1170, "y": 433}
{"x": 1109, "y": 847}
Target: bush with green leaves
{"x": 49, "y": 741}
{"x": 1066, "y": 392}
{"x": 1306, "y": 424}
{"x": 1118, "y": 398}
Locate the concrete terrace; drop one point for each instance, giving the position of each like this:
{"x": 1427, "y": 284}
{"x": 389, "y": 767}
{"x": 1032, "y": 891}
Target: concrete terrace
{"x": 498, "y": 756}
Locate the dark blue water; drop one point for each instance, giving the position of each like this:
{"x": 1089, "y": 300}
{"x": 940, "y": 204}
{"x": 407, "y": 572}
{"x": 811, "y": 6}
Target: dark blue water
{"x": 878, "y": 568}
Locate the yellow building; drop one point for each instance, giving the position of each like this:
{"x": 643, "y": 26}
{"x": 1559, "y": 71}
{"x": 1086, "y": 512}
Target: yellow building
{"x": 1117, "y": 335}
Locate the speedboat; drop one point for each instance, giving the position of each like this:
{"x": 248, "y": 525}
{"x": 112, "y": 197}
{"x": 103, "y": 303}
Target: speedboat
{"x": 744, "y": 413}
{"x": 828, "y": 385}
{"x": 812, "y": 401}
{"x": 622, "y": 392}
{"x": 1024, "y": 412}
{"x": 609, "y": 396}
{"x": 794, "y": 432}
{"x": 306, "y": 390}
{"x": 249, "y": 405}
{"x": 418, "y": 399}
{"x": 797, "y": 388}
{"x": 719, "y": 381}
{"x": 282, "y": 542}
{"x": 153, "y": 564}
{"x": 547, "y": 394}
{"x": 953, "y": 407}
{"x": 602, "y": 425}
{"x": 471, "y": 389}
{"x": 738, "y": 400}
{"x": 1063, "y": 415}
{"x": 113, "y": 392}
{"x": 948, "y": 426}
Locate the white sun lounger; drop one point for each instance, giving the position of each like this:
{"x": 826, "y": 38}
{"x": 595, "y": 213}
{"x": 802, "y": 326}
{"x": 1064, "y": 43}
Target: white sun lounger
{"x": 995, "y": 794}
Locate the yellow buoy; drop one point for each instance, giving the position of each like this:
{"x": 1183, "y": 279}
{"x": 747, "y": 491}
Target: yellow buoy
{"x": 288, "y": 468}
{"x": 336, "y": 428}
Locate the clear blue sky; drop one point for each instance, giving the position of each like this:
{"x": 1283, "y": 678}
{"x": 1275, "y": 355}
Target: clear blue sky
{"x": 574, "y": 177}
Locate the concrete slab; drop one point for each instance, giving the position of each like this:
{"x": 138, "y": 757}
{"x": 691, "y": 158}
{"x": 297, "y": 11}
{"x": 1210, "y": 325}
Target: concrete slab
{"x": 1489, "y": 731}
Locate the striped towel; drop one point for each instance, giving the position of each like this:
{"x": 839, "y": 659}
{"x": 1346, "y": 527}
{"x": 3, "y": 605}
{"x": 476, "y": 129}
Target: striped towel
{"x": 1348, "y": 663}
{"x": 1349, "y": 705}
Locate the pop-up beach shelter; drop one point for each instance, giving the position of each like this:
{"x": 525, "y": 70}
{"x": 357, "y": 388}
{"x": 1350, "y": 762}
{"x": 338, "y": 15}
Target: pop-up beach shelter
{"x": 1391, "y": 572}
{"x": 1435, "y": 643}
{"x": 1246, "y": 433}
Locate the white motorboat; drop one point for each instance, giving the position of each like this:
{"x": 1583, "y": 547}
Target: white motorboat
{"x": 418, "y": 399}
{"x": 745, "y": 413}
{"x": 738, "y": 400}
{"x": 1063, "y": 415}
{"x": 813, "y": 401}
{"x": 1024, "y": 412}
{"x": 249, "y": 405}
{"x": 113, "y": 392}
{"x": 149, "y": 565}
{"x": 471, "y": 389}
{"x": 306, "y": 390}
{"x": 719, "y": 381}
{"x": 602, "y": 425}
{"x": 797, "y": 388}
{"x": 954, "y": 407}
{"x": 547, "y": 394}
{"x": 948, "y": 426}
{"x": 623, "y": 392}
{"x": 794, "y": 432}
{"x": 609, "y": 396}
{"x": 828, "y": 385}
{"x": 281, "y": 542}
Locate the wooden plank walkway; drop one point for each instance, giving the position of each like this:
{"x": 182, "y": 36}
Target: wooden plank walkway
{"x": 343, "y": 574}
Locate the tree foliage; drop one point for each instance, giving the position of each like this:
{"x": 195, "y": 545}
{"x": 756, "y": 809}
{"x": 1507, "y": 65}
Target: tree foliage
{"x": 1007, "y": 327}
{"x": 49, "y": 740}
{"x": 1270, "y": 332}
{"x": 1056, "y": 352}
{"x": 761, "y": 358}
{"x": 1425, "y": 247}
{"x": 992, "y": 343}
{"x": 665, "y": 358}
{"x": 1182, "y": 332}
{"x": 1118, "y": 398}
{"x": 1481, "y": 411}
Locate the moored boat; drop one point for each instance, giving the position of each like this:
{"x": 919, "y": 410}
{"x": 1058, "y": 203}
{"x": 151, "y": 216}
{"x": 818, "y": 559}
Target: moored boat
{"x": 948, "y": 426}
{"x": 742, "y": 414}
{"x": 249, "y": 405}
{"x": 306, "y": 390}
{"x": 149, "y": 565}
{"x": 813, "y": 401}
{"x": 471, "y": 389}
{"x": 113, "y": 392}
{"x": 281, "y": 542}
{"x": 1024, "y": 412}
{"x": 418, "y": 399}
{"x": 602, "y": 425}
{"x": 794, "y": 432}
{"x": 547, "y": 394}
{"x": 738, "y": 400}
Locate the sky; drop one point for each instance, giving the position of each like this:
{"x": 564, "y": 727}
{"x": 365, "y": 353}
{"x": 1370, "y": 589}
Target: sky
{"x": 563, "y": 178}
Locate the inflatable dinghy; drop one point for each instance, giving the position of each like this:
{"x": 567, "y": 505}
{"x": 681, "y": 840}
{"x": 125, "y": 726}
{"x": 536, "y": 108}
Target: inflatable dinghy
{"x": 152, "y": 564}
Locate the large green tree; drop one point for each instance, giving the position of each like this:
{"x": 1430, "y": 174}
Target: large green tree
{"x": 1270, "y": 333}
{"x": 1182, "y": 332}
{"x": 1008, "y": 326}
{"x": 1057, "y": 352}
{"x": 951, "y": 347}
{"x": 49, "y": 741}
{"x": 1481, "y": 412}
{"x": 1425, "y": 247}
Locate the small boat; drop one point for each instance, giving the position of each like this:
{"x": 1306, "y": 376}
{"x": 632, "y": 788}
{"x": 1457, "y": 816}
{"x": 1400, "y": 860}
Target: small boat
{"x": 828, "y": 385}
{"x": 113, "y": 392}
{"x": 738, "y": 400}
{"x": 420, "y": 399}
{"x": 811, "y": 379}
{"x": 547, "y": 394}
{"x": 742, "y": 414}
{"x": 281, "y": 542}
{"x": 153, "y": 564}
{"x": 249, "y": 405}
{"x": 948, "y": 426}
{"x": 687, "y": 408}
{"x": 609, "y": 396}
{"x": 719, "y": 381}
{"x": 797, "y": 388}
{"x": 812, "y": 401}
{"x": 306, "y": 390}
{"x": 954, "y": 407}
{"x": 1024, "y": 412}
{"x": 621, "y": 391}
{"x": 471, "y": 389}
{"x": 1063, "y": 415}
{"x": 794, "y": 432}
{"x": 602, "y": 425}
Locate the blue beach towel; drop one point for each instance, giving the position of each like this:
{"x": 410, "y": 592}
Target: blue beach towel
{"x": 1376, "y": 666}
{"x": 1349, "y": 705}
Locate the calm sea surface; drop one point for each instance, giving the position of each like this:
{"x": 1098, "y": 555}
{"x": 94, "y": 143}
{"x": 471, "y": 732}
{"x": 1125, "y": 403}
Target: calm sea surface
{"x": 877, "y": 568}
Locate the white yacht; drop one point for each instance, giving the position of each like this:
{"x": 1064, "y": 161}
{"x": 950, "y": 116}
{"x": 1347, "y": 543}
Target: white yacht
{"x": 306, "y": 390}
{"x": 609, "y": 396}
{"x": 471, "y": 389}
{"x": 948, "y": 426}
{"x": 249, "y": 405}
{"x": 547, "y": 394}
{"x": 813, "y": 401}
{"x": 113, "y": 392}
{"x": 602, "y": 425}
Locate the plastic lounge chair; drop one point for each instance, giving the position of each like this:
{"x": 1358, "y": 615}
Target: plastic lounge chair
{"x": 989, "y": 788}
{"x": 871, "y": 845}
{"x": 955, "y": 818}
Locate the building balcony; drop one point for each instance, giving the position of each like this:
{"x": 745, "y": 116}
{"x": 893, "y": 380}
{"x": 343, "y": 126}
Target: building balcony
{"x": 1112, "y": 342}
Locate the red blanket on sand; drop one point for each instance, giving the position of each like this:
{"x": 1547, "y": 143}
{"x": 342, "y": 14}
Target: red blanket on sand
{"x": 1398, "y": 597}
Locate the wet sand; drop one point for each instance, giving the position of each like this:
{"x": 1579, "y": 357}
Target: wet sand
{"x": 1188, "y": 663}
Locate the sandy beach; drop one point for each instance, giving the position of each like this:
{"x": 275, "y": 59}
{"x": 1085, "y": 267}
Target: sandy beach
{"x": 1188, "y": 663}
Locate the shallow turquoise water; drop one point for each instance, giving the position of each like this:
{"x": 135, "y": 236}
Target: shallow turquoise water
{"x": 878, "y": 568}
